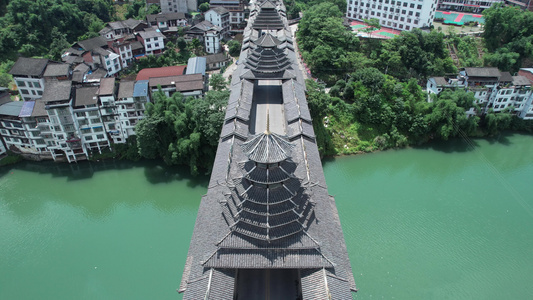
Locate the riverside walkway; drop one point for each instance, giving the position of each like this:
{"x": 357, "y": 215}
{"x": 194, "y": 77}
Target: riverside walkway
{"x": 267, "y": 227}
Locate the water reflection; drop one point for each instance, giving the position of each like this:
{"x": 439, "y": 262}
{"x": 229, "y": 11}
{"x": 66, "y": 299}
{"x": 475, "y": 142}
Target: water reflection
{"x": 97, "y": 188}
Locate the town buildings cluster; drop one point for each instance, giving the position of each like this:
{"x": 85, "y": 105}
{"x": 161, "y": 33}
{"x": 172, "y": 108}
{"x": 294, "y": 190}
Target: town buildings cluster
{"x": 492, "y": 88}
{"x": 71, "y": 108}
{"x": 64, "y": 118}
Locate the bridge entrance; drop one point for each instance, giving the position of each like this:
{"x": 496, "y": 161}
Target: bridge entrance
{"x": 268, "y": 284}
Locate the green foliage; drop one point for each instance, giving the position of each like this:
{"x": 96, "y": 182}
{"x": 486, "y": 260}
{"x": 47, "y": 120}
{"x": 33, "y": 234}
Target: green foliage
{"x": 234, "y": 48}
{"x": 495, "y": 122}
{"x": 5, "y": 77}
{"x": 27, "y": 25}
{"x": 203, "y": 7}
{"x": 467, "y": 49}
{"x": 510, "y": 28}
{"x": 182, "y": 131}
{"x": 137, "y": 10}
{"x": 415, "y": 54}
{"x": 325, "y": 43}
{"x": 218, "y": 82}
{"x": 503, "y": 59}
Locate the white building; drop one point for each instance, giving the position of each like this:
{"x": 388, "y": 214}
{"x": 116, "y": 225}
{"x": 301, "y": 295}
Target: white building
{"x": 184, "y": 6}
{"x": 152, "y": 40}
{"x": 219, "y": 16}
{"x": 64, "y": 141}
{"x": 396, "y": 14}
{"x": 236, "y": 11}
{"x": 28, "y": 75}
{"x": 11, "y": 127}
{"x": 89, "y": 120}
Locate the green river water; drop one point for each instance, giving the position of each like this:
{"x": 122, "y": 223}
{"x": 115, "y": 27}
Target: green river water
{"x": 447, "y": 221}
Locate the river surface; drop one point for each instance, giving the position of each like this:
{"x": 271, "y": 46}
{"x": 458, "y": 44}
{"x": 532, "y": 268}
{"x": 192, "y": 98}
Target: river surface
{"x": 447, "y": 221}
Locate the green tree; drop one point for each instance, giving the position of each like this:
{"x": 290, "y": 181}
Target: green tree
{"x": 218, "y": 82}
{"x": 59, "y": 43}
{"x": 5, "y": 77}
{"x": 203, "y": 7}
{"x": 234, "y": 48}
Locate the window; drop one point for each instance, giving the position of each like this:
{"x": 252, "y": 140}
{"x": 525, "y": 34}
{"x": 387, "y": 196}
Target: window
{"x": 419, "y": 6}
{"x": 89, "y": 138}
{"x": 40, "y": 93}
{"x": 37, "y": 85}
{"x": 156, "y": 44}
{"x": 21, "y": 83}
{"x": 412, "y": 5}
{"x": 98, "y": 129}
{"x": 80, "y": 114}
{"x": 24, "y": 92}
{"x": 100, "y": 136}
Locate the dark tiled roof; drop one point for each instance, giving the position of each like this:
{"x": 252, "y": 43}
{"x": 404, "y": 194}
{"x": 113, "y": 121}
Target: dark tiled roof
{"x": 521, "y": 80}
{"x": 165, "y": 17}
{"x": 220, "y": 10}
{"x": 107, "y": 86}
{"x": 93, "y": 43}
{"x": 150, "y": 34}
{"x": 506, "y": 77}
{"x": 25, "y": 66}
{"x": 57, "y": 91}
{"x": 482, "y": 72}
{"x": 57, "y": 70}
{"x": 216, "y": 58}
{"x": 39, "y": 109}
{"x": 125, "y": 89}
{"x": 86, "y": 96}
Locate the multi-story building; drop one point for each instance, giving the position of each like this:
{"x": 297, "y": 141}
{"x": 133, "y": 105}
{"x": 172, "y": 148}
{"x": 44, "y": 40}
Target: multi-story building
{"x": 237, "y": 12}
{"x": 108, "y": 110}
{"x": 28, "y": 75}
{"x": 11, "y": 126}
{"x": 219, "y": 16}
{"x": 152, "y": 40}
{"x": 523, "y": 4}
{"x": 88, "y": 120}
{"x": 396, "y": 14}
{"x": 475, "y": 6}
{"x": 209, "y": 34}
{"x": 184, "y": 6}
{"x": 35, "y": 122}
{"x": 131, "y": 100}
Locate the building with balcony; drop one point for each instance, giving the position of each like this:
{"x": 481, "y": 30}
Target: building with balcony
{"x": 152, "y": 40}
{"x": 236, "y": 9}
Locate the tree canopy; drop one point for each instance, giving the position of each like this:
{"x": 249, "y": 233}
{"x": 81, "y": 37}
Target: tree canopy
{"x": 30, "y": 27}
{"x": 508, "y": 35}
{"x": 182, "y": 131}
